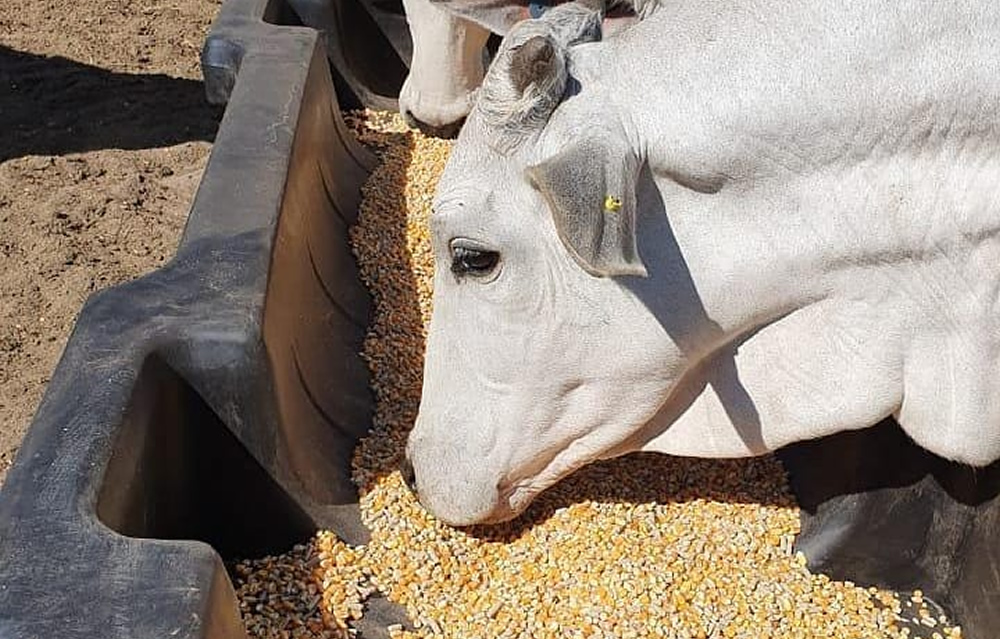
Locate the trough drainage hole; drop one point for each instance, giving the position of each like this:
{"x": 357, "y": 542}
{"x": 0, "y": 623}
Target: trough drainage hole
{"x": 641, "y": 546}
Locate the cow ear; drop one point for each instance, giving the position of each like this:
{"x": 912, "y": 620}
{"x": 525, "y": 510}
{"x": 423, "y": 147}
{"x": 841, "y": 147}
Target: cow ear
{"x": 529, "y": 73}
{"x": 590, "y": 191}
{"x": 532, "y": 63}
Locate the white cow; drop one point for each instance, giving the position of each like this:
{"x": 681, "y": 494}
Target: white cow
{"x": 449, "y": 37}
{"x": 741, "y": 225}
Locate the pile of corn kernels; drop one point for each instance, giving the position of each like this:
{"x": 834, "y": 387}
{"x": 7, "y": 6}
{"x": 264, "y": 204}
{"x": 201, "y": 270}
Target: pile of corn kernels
{"x": 641, "y": 546}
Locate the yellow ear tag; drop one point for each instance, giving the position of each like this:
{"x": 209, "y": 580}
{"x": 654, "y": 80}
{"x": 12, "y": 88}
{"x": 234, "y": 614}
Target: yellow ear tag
{"x": 612, "y": 204}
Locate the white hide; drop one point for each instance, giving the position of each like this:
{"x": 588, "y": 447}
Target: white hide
{"x": 449, "y": 37}
{"x": 447, "y": 65}
{"x": 818, "y": 212}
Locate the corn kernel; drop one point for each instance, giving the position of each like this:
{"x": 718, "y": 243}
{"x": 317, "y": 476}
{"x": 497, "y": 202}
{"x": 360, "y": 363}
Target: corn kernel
{"x": 641, "y": 546}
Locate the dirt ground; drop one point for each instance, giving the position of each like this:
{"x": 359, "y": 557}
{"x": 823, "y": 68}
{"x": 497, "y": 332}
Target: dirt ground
{"x": 104, "y": 133}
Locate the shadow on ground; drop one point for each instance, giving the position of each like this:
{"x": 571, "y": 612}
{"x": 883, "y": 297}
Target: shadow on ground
{"x": 53, "y": 106}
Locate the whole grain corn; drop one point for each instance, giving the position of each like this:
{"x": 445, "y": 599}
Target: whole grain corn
{"x": 641, "y": 546}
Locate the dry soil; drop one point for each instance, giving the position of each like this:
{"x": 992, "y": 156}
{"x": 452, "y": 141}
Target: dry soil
{"x": 104, "y": 132}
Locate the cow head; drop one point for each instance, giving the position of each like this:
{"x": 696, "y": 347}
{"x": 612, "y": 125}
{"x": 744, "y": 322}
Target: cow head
{"x": 538, "y": 359}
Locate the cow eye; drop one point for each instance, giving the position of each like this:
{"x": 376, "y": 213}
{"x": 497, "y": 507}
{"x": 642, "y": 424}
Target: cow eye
{"x": 467, "y": 260}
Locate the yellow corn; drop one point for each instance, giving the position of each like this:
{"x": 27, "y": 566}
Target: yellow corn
{"x": 641, "y": 546}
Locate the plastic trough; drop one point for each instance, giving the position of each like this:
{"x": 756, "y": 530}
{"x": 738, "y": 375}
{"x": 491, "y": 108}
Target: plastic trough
{"x": 209, "y": 410}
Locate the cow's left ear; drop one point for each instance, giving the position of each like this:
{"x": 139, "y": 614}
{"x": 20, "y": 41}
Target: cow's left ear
{"x": 590, "y": 190}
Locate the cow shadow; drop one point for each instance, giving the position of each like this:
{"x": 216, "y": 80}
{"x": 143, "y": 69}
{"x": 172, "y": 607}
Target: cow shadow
{"x": 670, "y": 294}
{"x": 820, "y": 470}
{"x": 54, "y": 106}
{"x": 805, "y": 475}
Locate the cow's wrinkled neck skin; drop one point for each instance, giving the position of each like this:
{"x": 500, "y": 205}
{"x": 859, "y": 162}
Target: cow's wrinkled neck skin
{"x": 757, "y": 222}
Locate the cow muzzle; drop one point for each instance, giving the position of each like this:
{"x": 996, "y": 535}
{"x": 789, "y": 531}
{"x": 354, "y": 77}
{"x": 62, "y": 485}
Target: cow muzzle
{"x": 457, "y": 493}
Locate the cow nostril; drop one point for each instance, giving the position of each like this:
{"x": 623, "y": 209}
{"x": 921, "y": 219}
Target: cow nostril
{"x": 406, "y": 469}
{"x": 411, "y": 121}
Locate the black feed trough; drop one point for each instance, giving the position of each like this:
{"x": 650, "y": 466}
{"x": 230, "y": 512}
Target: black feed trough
{"x": 208, "y": 411}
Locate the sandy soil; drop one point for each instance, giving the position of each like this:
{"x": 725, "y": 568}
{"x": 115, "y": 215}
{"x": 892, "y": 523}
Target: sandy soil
{"x": 104, "y": 132}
